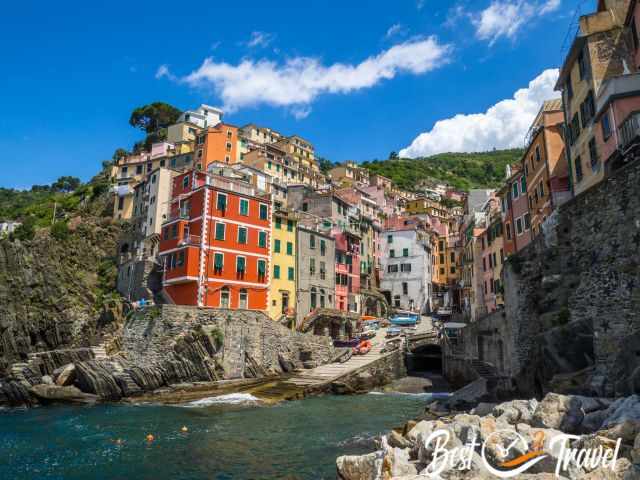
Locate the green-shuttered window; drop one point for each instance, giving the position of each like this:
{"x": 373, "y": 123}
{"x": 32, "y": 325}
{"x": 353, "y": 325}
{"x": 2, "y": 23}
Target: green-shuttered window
{"x": 263, "y": 211}
{"x": 262, "y": 239}
{"x": 291, "y": 274}
{"x": 278, "y": 223}
{"x": 240, "y": 264}
{"x": 222, "y": 202}
{"x": 289, "y": 225}
{"x": 276, "y": 271}
{"x": 276, "y": 246}
{"x": 289, "y": 248}
{"x": 242, "y": 235}
{"x": 262, "y": 269}
{"x": 244, "y": 207}
{"x": 218, "y": 262}
{"x": 219, "y": 231}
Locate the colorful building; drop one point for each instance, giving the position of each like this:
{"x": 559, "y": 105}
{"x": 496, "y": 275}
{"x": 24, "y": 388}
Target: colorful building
{"x": 599, "y": 51}
{"x": 217, "y": 144}
{"x": 216, "y": 243}
{"x": 282, "y": 289}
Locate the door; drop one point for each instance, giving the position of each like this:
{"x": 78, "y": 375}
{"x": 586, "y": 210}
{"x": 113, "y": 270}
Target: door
{"x": 243, "y": 299}
{"x": 285, "y": 301}
{"x": 224, "y": 298}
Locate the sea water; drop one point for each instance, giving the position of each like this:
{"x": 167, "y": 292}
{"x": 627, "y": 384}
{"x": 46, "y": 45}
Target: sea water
{"x": 228, "y": 437}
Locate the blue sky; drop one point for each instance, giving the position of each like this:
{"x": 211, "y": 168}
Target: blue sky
{"x": 358, "y": 81}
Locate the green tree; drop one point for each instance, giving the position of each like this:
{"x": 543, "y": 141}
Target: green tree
{"x": 151, "y": 118}
{"x": 325, "y": 164}
{"x": 66, "y": 184}
{"x": 26, "y": 231}
{"x": 60, "y": 231}
{"x": 119, "y": 153}
{"x": 393, "y": 156}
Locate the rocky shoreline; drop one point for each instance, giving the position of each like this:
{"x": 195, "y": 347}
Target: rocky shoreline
{"x": 407, "y": 453}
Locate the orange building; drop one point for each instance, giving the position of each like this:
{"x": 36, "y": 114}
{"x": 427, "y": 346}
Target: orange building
{"x": 226, "y": 263}
{"x": 217, "y": 144}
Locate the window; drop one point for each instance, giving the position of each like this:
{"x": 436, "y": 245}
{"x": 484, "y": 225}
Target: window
{"x": 484, "y": 264}
{"x": 218, "y": 262}
{"x": 242, "y": 235}
{"x": 289, "y": 248}
{"x": 278, "y": 223}
{"x": 441, "y": 257}
{"x": 244, "y": 207}
{"x": 185, "y": 182}
{"x": 490, "y": 262}
{"x": 453, "y": 257}
{"x": 165, "y": 233}
{"x": 264, "y": 211}
{"x": 593, "y": 154}
{"x": 312, "y": 266}
{"x": 405, "y": 288}
{"x": 139, "y": 171}
{"x": 276, "y": 246}
{"x": 405, "y": 267}
{"x": 507, "y": 227}
{"x": 392, "y": 253}
{"x": 523, "y": 184}
{"x": 289, "y": 225}
{"x": 396, "y": 300}
{"x": 582, "y": 65}
{"x": 537, "y": 153}
{"x": 222, "y": 202}
{"x": 120, "y": 203}
{"x": 578, "y": 168}
{"x": 541, "y": 189}
{"x": 323, "y": 247}
{"x": 605, "y": 123}
{"x": 241, "y": 263}
{"x": 244, "y": 299}
{"x": 495, "y": 263}
{"x": 312, "y": 241}
{"x": 389, "y": 238}
{"x": 515, "y": 190}
{"x": 291, "y": 273}
{"x": 180, "y": 259}
{"x": 262, "y": 239}
{"x": 441, "y": 270}
{"x": 574, "y": 131}
{"x": 305, "y": 207}
{"x": 392, "y": 268}
{"x": 262, "y": 269}
{"x": 527, "y": 221}
{"x": 501, "y": 256}
{"x": 276, "y": 272}
{"x": 453, "y": 270}
{"x": 224, "y": 297}
{"x": 323, "y": 270}
{"x": 519, "y": 229}
{"x": 174, "y": 230}
{"x": 313, "y": 297}
{"x": 405, "y": 252}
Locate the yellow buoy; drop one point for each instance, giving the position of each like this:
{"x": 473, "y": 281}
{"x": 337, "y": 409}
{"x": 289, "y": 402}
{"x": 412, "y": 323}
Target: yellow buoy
{"x": 184, "y": 429}
{"x": 150, "y": 438}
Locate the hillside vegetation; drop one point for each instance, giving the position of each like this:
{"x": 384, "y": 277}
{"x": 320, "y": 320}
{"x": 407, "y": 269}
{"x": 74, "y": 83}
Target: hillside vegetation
{"x": 462, "y": 170}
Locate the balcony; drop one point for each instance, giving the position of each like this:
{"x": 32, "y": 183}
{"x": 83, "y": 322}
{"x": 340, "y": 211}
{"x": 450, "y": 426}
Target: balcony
{"x": 180, "y": 215}
{"x": 629, "y": 129}
{"x": 613, "y": 88}
{"x": 190, "y": 240}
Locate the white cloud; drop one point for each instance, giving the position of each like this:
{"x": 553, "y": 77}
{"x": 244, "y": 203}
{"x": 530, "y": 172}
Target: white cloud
{"x": 260, "y": 39}
{"x": 163, "y": 71}
{"x": 503, "y": 125}
{"x": 504, "y": 18}
{"x": 300, "y": 80}
{"x": 395, "y": 29}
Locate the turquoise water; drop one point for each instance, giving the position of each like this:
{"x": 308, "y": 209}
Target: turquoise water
{"x": 290, "y": 441}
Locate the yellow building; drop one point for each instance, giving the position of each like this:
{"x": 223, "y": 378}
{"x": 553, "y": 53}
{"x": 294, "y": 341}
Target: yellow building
{"x": 282, "y": 288}
{"x": 422, "y": 204}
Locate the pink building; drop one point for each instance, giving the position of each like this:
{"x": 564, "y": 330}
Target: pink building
{"x": 517, "y": 218}
{"x": 347, "y": 269}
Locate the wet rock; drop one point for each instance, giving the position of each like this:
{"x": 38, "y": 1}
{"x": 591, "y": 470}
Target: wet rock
{"x": 398, "y": 441}
{"x": 57, "y": 394}
{"x": 93, "y": 377}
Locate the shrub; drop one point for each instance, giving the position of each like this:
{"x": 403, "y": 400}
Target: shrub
{"x": 60, "y": 231}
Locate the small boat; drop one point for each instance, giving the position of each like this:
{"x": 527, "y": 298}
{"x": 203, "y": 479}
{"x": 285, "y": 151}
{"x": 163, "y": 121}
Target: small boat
{"x": 371, "y": 324}
{"x": 403, "y": 321}
{"x": 363, "y": 348}
{"x": 367, "y": 317}
{"x": 367, "y": 334}
{"x": 394, "y": 332}
{"x": 346, "y": 343}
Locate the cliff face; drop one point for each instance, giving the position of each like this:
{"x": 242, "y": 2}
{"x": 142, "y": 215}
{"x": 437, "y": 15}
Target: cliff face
{"x": 55, "y": 293}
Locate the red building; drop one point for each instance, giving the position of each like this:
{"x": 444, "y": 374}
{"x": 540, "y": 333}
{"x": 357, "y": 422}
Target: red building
{"x": 226, "y": 263}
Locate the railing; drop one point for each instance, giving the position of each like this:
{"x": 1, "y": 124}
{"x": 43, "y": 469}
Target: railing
{"x": 181, "y": 215}
{"x": 190, "y": 240}
{"x": 629, "y": 129}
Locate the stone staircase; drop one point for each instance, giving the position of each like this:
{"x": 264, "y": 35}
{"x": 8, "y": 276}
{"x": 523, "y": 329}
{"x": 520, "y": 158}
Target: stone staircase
{"x": 486, "y": 371}
{"x": 100, "y": 352}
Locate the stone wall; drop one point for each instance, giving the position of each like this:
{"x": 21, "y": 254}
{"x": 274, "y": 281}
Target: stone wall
{"x": 386, "y": 369}
{"x": 572, "y": 297}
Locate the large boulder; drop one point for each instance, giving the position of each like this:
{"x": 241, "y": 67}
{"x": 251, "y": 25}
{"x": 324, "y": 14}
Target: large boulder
{"x": 57, "y": 394}
{"x": 559, "y": 412}
{"x": 623, "y": 409}
{"x": 94, "y": 377}
{"x": 360, "y": 467}
{"x": 516, "y": 411}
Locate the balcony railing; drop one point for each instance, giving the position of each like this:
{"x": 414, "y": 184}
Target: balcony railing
{"x": 630, "y": 129}
{"x": 190, "y": 240}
